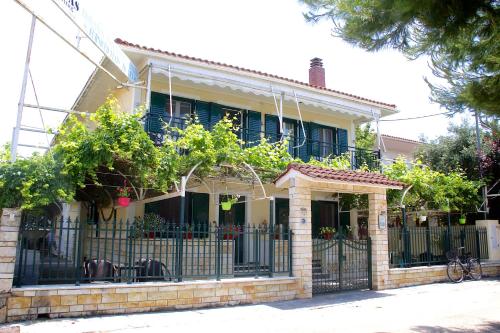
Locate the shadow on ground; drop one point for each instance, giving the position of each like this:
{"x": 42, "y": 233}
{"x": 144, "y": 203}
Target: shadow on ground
{"x": 490, "y": 327}
{"x": 327, "y": 300}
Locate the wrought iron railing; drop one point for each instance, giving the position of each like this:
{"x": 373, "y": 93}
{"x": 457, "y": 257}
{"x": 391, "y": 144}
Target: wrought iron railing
{"x": 298, "y": 148}
{"x": 66, "y": 251}
{"x": 421, "y": 246}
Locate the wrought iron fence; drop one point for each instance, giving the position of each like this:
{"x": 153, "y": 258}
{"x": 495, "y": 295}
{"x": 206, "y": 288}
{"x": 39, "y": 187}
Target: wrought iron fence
{"x": 66, "y": 251}
{"x": 418, "y": 246}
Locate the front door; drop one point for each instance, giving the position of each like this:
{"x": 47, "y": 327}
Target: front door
{"x": 324, "y": 214}
{"x": 235, "y": 217}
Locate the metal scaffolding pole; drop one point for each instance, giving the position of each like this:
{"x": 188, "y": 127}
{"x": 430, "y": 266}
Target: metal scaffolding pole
{"x": 20, "y": 105}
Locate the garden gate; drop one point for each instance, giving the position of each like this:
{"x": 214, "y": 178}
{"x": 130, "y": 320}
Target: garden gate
{"x": 340, "y": 263}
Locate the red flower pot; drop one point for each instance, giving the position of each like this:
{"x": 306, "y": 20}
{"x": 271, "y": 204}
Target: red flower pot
{"x": 123, "y": 201}
{"x": 189, "y": 235}
{"x": 327, "y": 236}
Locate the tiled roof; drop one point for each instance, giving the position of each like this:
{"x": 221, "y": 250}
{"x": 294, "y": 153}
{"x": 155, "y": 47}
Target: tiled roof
{"x": 370, "y": 178}
{"x": 137, "y": 46}
{"x": 400, "y": 138}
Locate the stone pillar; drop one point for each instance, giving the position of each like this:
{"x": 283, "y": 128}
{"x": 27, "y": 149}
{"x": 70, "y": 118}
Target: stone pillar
{"x": 493, "y": 235}
{"x": 353, "y": 222}
{"x": 380, "y": 251}
{"x": 300, "y": 223}
{"x": 9, "y": 232}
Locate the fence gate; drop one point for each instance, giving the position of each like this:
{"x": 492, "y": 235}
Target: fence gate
{"x": 341, "y": 264}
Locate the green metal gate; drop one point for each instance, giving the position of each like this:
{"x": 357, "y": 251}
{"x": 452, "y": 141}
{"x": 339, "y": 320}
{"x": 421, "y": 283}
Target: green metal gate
{"x": 340, "y": 263}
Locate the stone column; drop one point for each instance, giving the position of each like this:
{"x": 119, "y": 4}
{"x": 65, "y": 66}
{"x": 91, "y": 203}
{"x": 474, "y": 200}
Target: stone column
{"x": 493, "y": 235}
{"x": 9, "y": 232}
{"x": 300, "y": 224}
{"x": 353, "y": 222}
{"x": 380, "y": 251}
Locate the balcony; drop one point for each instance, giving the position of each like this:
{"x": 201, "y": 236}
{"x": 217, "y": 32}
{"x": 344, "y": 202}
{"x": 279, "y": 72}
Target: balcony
{"x": 298, "y": 148}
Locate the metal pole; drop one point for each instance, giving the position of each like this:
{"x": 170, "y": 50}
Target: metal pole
{"x": 478, "y": 147}
{"x": 20, "y": 105}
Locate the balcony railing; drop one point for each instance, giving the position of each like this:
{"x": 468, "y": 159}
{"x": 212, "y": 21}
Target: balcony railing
{"x": 310, "y": 149}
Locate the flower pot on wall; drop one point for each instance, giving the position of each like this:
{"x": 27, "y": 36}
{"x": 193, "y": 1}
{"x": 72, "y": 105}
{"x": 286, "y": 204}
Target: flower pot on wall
{"x": 462, "y": 220}
{"x": 123, "y": 201}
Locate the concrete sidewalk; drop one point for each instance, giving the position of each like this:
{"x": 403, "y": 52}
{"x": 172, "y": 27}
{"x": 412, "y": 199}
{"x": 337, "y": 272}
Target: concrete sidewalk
{"x": 445, "y": 307}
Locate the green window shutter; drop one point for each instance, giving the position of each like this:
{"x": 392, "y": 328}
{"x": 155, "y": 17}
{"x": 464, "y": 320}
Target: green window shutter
{"x": 215, "y": 114}
{"x": 342, "y": 141}
{"x": 304, "y": 150}
{"x": 156, "y": 113}
{"x": 202, "y": 111}
{"x": 253, "y": 127}
{"x": 272, "y": 124}
{"x": 199, "y": 203}
{"x": 315, "y": 140}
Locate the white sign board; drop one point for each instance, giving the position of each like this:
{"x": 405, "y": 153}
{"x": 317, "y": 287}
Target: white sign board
{"x": 74, "y": 10}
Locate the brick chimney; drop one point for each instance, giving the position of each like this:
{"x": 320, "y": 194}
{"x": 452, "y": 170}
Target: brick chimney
{"x": 317, "y": 73}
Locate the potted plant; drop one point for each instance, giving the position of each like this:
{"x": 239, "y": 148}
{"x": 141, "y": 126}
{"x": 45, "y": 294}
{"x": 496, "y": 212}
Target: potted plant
{"x": 123, "y": 195}
{"x": 327, "y": 232}
{"x": 148, "y": 226}
{"x": 228, "y": 203}
{"x": 462, "y": 219}
{"x": 188, "y": 234}
{"x": 230, "y": 232}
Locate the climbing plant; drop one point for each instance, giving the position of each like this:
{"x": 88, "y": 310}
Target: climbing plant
{"x": 432, "y": 189}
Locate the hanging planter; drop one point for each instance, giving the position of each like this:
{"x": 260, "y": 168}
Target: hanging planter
{"x": 462, "y": 219}
{"x": 226, "y": 205}
{"x": 123, "y": 201}
{"x": 123, "y": 195}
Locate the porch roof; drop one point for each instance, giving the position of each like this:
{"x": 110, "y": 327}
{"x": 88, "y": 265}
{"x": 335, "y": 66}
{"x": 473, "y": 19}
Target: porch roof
{"x": 316, "y": 173}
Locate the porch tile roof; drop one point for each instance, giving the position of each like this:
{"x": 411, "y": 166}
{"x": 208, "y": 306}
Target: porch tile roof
{"x": 210, "y": 62}
{"x": 369, "y": 178}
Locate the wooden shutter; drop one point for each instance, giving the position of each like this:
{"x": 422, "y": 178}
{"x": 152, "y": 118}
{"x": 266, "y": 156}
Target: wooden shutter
{"x": 253, "y": 128}
{"x": 156, "y": 113}
{"x": 315, "y": 140}
{"x": 215, "y": 114}
{"x": 272, "y": 124}
{"x": 202, "y": 111}
{"x": 305, "y": 149}
{"x": 342, "y": 141}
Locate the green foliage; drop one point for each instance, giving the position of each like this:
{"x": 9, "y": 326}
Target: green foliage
{"x": 432, "y": 189}
{"x": 118, "y": 143}
{"x": 33, "y": 182}
{"x": 365, "y": 137}
{"x": 5, "y": 153}
{"x": 457, "y": 151}
{"x": 461, "y": 37}
{"x": 342, "y": 162}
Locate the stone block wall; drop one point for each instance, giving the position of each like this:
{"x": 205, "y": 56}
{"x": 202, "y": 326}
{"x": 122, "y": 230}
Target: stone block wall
{"x": 86, "y": 300}
{"x": 414, "y": 276}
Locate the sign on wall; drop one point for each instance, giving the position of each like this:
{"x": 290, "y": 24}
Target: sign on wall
{"x": 80, "y": 17}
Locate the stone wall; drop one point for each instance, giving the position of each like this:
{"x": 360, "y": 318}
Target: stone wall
{"x": 97, "y": 299}
{"x": 405, "y": 277}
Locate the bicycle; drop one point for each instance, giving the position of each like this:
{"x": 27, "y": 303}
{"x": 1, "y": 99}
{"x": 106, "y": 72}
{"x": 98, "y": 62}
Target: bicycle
{"x": 458, "y": 268}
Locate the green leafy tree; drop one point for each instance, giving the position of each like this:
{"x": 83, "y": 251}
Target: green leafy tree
{"x": 432, "y": 189}
{"x": 34, "y": 182}
{"x": 457, "y": 151}
{"x": 365, "y": 137}
{"x": 461, "y": 37}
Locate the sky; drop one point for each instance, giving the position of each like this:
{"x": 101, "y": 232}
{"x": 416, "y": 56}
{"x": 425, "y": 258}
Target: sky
{"x": 270, "y": 36}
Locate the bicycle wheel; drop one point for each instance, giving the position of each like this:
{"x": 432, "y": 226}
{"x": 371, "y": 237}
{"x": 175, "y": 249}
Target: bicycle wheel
{"x": 475, "y": 270}
{"x": 455, "y": 271}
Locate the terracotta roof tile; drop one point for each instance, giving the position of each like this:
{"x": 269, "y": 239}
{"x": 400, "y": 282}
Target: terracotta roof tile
{"x": 137, "y": 46}
{"x": 317, "y": 172}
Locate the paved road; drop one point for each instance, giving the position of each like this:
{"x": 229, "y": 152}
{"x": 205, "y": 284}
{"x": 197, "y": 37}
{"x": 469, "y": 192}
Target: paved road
{"x": 448, "y": 308}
